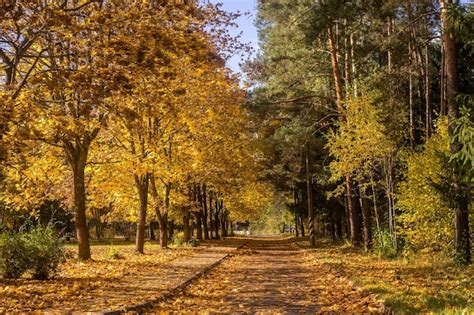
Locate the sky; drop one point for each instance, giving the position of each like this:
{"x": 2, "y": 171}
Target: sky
{"x": 246, "y": 25}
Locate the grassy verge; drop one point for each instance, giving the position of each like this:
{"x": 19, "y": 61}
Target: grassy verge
{"x": 421, "y": 284}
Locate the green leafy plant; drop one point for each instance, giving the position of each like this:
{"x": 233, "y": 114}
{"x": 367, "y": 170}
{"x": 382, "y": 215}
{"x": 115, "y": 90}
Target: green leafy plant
{"x": 14, "y": 260}
{"x": 178, "y": 239}
{"x": 114, "y": 253}
{"x": 39, "y": 250}
{"x": 46, "y": 251}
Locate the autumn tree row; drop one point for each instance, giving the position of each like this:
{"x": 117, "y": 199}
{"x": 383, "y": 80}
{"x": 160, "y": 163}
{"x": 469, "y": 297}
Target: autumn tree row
{"x": 126, "y": 105}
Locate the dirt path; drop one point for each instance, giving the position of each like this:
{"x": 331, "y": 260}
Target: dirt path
{"x": 270, "y": 275}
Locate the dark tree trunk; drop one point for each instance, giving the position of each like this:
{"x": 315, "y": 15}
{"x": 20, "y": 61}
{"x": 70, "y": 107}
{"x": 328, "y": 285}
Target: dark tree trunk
{"x": 171, "y": 230}
{"x": 366, "y": 218}
{"x": 205, "y": 212}
{"x": 77, "y": 159}
{"x": 462, "y": 241}
{"x": 339, "y": 220}
{"x": 211, "y": 215}
{"x": 223, "y": 224}
{"x": 216, "y": 218}
{"x": 164, "y": 230}
{"x": 297, "y": 233}
{"x": 151, "y": 228}
{"x": 355, "y": 215}
{"x": 309, "y": 189}
{"x": 142, "y": 186}
{"x": 302, "y": 226}
{"x": 186, "y": 227}
{"x": 199, "y": 225}
{"x": 231, "y": 228}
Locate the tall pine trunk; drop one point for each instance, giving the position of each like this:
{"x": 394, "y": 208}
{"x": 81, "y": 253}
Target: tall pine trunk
{"x": 309, "y": 189}
{"x": 366, "y": 218}
{"x": 462, "y": 240}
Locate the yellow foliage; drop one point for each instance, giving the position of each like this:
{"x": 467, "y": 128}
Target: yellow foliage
{"x": 426, "y": 218}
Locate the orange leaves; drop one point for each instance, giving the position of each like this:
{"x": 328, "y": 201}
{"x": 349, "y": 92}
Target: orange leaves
{"x": 92, "y": 285}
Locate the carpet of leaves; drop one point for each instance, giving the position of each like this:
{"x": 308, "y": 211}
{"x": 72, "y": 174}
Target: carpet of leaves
{"x": 82, "y": 286}
{"x": 271, "y": 276}
{"x": 416, "y": 284}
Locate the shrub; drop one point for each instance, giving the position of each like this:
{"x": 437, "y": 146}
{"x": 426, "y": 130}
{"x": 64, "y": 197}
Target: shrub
{"x": 13, "y": 256}
{"x": 39, "y": 250}
{"x": 383, "y": 245}
{"x": 114, "y": 253}
{"x": 46, "y": 251}
{"x": 178, "y": 238}
{"x": 193, "y": 242}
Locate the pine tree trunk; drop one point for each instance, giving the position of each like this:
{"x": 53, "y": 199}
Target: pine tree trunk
{"x": 462, "y": 240}
{"x": 427, "y": 92}
{"x": 410, "y": 98}
{"x": 309, "y": 189}
{"x": 366, "y": 218}
{"x": 355, "y": 215}
{"x": 302, "y": 227}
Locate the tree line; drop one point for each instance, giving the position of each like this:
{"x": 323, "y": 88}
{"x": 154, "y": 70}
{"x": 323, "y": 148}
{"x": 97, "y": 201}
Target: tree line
{"x": 366, "y": 112}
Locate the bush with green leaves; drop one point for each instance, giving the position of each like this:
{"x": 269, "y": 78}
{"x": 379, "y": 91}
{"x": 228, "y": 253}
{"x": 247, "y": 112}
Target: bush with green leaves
{"x": 14, "y": 257}
{"x": 114, "y": 253}
{"x": 46, "y": 251}
{"x": 39, "y": 250}
{"x": 178, "y": 238}
{"x": 383, "y": 244}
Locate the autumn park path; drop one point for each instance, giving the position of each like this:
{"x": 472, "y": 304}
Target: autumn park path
{"x": 269, "y": 275}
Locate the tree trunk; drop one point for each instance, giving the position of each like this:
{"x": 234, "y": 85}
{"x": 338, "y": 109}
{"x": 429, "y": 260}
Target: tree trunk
{"x": 355, "y": 215}
{"x": 366, "y": 218}
{"x": 151, "y": 228}
{"x": 427, "y": 92}
{"x": 410, "y": 98}
{"x": 309, "y": 189}
{"x": 186, "y": 227}
{"x": 205, "y": 212}
{"x": 171, "y": 230}
{"x": 223, "y": 224}
{"x": 216, "y": 218}
{"x": 462, "y": 240}
{"x": 231, "y": 228}
{"x": 163, "y": 230}
{"x": 211, "y": 216}
{"x": 297, "y": 233}
{"x": 142, "y": 187}
{"x": 78, "y": 161}
{"x": 199, "y": 225}
{"x": 302, "y": 226}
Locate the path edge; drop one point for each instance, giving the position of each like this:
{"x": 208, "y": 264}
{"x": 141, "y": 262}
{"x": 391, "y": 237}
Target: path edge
{"x": 386, "y": 308}
{"x": 141, "y": 307}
